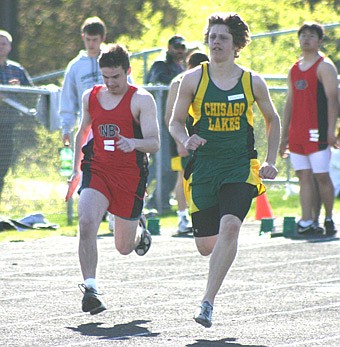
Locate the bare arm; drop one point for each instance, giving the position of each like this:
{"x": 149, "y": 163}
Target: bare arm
{"x": 287, "y": 116}
{"x": 272, "y": 122}
{"x": 170, "y": 101}
{"x": 81, "y": 136}
{"x": 327, "y": 74}
{"x": 185, "y": 96}
{"x": 144, "y": 110}
{"x": 82, "y": 133}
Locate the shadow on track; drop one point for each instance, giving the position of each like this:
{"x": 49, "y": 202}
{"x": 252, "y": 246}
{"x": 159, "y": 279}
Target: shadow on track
{"x": 117, "y": 332}
{"x": 227, "y": 342}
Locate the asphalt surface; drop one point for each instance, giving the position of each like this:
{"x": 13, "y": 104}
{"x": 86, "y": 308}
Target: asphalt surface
{"x": 280, "y": 292}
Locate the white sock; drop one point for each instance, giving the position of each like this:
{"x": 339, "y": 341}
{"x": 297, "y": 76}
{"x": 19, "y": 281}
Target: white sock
{"x": 305, "y": 223}
{"x": 91, "y": 283}
{"x": 183, "y": 213}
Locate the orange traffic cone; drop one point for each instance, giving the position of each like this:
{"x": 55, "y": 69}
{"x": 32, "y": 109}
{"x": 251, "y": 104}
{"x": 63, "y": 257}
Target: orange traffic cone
{"x": 263, "y": 208}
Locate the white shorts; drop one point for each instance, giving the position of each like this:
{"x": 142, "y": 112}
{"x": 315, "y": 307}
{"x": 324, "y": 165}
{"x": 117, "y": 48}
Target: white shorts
{"x": 318, "y": 162}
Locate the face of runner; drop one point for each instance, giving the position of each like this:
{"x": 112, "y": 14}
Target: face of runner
{"x": 115, "y": 79}
{"x": 221, "y": 43}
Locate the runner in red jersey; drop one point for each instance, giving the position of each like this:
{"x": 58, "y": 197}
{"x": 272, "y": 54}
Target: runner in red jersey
{"x": 123, "y": 120}
{"x": 308, "y": 129}
{"x": 308, "y": 126}
{"x": 125, "y": 188}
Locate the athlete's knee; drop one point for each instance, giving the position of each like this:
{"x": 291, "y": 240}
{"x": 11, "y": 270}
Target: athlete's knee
{"x": 85, "y": 220}
{"x": 323, "y": 178}
{"x": 230, "y": 227}
{"x": 204, "y": 250}
{"x": 205, "y": 245}
{"x": 123, "y": 248}
{"x": 304, "y": 175}
{"x": 124, "y": 244}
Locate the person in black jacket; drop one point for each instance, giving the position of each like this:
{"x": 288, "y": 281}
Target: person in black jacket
{"x": 163, "y": 71}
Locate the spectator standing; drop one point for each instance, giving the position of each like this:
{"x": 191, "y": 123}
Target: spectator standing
{"x": 308, "y": 131}
{"x": 224, "y": 174}
{"x": 11, "y": 73}
{"x": 162, "y": 72}
{"x": 82, "y": 73}
{"x": 181, "y": 157}
{"x": 123, "y": 120}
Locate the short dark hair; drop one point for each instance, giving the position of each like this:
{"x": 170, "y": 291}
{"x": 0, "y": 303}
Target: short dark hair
{"x": 312, "y": 26}
{"x": 93, "y": 26}
{"x": 115, "y": 55}
{"x": 238, "y": 28}
{"x": 197, "y": 58}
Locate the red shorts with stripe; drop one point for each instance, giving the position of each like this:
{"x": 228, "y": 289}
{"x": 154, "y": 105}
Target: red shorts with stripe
{"x": 124, "y": 191}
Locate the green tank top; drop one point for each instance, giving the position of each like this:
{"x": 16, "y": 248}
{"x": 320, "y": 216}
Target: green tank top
{"x": 224, "y": 118}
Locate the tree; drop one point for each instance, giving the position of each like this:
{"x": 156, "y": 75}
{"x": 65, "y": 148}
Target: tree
{"x": 52, "y": 28}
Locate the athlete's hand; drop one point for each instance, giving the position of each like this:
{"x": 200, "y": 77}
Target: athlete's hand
{"x": 283, "y": 149}
{"x": 182, "y": 152}
{"x": 268, "y": 171}
{"x": 124, "y": 144}
{"x": 72, "y": 185}
{"x": 193, "y": 142}
{"x": 332, "y": 141}
{"x": 66, "y": 139}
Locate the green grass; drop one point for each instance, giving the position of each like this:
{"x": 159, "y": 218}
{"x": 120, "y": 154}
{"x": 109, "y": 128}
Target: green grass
{"x": 281, "y": 204}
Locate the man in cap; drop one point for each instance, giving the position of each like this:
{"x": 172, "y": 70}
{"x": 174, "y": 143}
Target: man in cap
{"x": 163, "y": 71}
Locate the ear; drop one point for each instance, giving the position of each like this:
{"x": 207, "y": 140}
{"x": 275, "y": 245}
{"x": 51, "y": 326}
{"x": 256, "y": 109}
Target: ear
{"x": 129, "y": 71}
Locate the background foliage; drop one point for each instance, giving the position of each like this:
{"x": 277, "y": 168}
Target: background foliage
{"x": 50, "y": 29}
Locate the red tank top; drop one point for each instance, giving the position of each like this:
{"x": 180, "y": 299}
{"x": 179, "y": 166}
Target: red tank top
{"x": 309, "y": 121}
{"x": 106, "y": 125}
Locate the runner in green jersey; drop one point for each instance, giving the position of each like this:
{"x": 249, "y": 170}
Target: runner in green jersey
{"x": 224, "y": 174}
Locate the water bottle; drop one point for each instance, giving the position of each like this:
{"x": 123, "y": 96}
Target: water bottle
{"x": 66, "y": 161}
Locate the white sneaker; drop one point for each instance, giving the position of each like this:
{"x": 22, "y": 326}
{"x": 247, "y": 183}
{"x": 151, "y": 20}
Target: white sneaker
{"x": 111, "y": 222}
{"x": 184, "y": 225}
{"x": 204, "y": 314}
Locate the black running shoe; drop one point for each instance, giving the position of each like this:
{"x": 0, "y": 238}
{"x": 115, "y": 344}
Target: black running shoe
{"x": 330, "y": 227}
{"x": 91, "y": 302}
{"x": 145, "y": 240}
{"x": 204, "y": 314}
{"x": 312, "y": 229}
